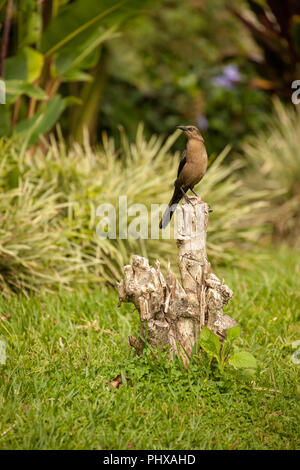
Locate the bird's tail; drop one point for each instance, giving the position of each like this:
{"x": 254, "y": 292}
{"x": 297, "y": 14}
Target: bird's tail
{"x": 170, "y": 209}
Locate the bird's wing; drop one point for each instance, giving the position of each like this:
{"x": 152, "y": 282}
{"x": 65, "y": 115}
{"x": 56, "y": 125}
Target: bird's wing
{"x": 182, "y": 163}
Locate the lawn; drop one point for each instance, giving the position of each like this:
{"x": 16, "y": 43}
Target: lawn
{"x": 62, "y": 349}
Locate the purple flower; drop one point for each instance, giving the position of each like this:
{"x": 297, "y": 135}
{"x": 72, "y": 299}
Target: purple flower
{"x": 202, "y": 122}
{"x": 223, "y": 81}
{"x": 232, "y": 73}
{"x": 230, "y": 76}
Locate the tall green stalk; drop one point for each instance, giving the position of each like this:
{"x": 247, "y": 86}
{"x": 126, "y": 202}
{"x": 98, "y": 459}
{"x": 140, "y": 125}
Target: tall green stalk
{"x": 86, "y": 115}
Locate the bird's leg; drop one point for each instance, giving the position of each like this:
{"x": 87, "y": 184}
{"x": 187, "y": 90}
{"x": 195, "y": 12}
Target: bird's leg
{"x": 184, "y": 195}
{"x": 194, "y": 192}
{"x": 209, "y": 209}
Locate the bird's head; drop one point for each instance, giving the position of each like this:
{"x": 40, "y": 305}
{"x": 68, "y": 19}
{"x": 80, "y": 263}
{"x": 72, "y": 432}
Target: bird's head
{"x": 192, "y": 132}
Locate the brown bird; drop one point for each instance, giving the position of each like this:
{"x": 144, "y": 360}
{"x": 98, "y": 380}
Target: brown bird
{"x": 191, "y": 170}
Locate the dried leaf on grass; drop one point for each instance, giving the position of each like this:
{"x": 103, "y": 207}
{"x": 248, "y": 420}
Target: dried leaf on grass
{"x": 9, "y": 429}
{"x": 90, "y": 325}
{"x": 5, "y": 317}
{"x": 118, "y": 381}
{"x": 265, "y": 389}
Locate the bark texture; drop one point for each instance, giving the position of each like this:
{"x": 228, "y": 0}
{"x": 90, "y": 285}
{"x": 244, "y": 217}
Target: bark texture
{"x": 173, "y": 313}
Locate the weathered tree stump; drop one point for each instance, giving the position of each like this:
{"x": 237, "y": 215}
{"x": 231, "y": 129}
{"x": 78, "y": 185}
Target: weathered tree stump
{"x": 173, "y": 314}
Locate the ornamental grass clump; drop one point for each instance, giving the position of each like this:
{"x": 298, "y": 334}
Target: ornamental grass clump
{"x": 274, "y": 159}
{"x": 49, "y": 199}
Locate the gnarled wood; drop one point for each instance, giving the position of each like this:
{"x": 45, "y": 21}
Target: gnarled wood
{"x": 171, "y": 313}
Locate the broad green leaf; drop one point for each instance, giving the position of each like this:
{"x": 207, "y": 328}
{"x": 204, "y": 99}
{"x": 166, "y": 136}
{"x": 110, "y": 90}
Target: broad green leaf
{"x": 91, "y": 60}
{"x": 26, "y": 65}
{"x": 233, "y": 333}
{"x": 247, "y": 373}
{"x": 76, "y": 75}
{"x": 71, "y": 100}
{"x": 15, "y": 88}
{"x": 42, "y": 122}
{"x": 73, "y": 54}
{"x": 243, "y": 359}
{"x": 209, "y": 341}
{"x": 80, "y": 16}
{"x": 29, "y": 22}
{"x": 15, "y": 68}
{"x": 35, "y": 62}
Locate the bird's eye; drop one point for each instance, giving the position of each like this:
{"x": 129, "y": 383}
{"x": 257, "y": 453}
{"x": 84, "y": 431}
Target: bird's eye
{"x": 191, "y": 129}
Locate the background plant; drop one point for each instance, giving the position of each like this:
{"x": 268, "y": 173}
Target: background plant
{"x": 274, "y": 160}
{"x": 275, "y": 27}
{"x": 51, "y": 43}
{"x": 49, "y": 199}
{"x": 85, "y": 65}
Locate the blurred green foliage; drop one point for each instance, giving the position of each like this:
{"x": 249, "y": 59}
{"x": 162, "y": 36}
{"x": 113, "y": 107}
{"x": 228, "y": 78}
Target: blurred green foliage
{"x": 108, "y": 63}
{"x": 163, "y": 67}
{"x": 47, "y": 44}
{"x": 275, "y": 27}
{"x": 164, "y": 70}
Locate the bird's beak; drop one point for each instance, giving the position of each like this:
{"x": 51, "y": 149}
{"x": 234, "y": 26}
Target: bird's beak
{"x": 182, "y": 128}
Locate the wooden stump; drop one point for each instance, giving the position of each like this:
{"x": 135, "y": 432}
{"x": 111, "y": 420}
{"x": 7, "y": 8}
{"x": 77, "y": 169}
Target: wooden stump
{"x": 173, "y": 314}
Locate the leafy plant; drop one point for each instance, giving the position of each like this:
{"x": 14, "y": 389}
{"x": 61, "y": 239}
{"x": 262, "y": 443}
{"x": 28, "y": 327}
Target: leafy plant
{"x": 223, "y": 354}
{"x": 274, "y": 161}
{"x": 46, "y": 44}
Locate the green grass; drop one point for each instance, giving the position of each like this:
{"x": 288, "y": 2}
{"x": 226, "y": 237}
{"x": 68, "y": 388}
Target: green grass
{"x": 53, "y": 385}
